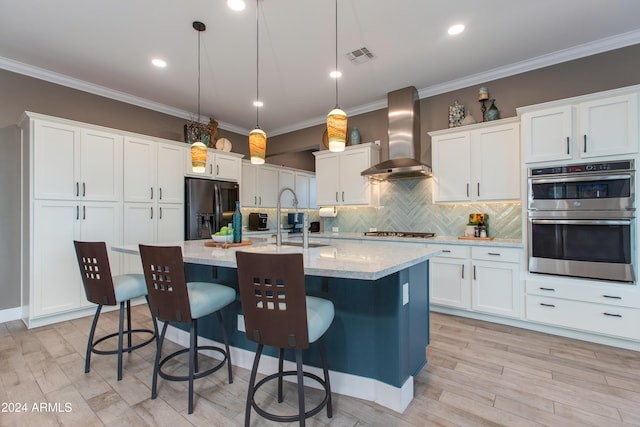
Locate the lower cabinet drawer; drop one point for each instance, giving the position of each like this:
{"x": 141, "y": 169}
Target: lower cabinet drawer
{"x": 584, "y": 316}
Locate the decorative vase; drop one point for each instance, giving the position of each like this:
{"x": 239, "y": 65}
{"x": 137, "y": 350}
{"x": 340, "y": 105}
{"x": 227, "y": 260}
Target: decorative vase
{"x": 355, "y": 136}
{"x": 237, "y": 224}
{"x": 493, "y": 113}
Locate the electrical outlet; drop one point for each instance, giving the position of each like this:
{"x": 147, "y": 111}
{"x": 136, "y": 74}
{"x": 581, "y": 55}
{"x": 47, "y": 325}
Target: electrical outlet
{"x": 377, "y": 142}
{"x": 335, "y": 229}
{"x": 405, "y": 294}
{"x": 241, "y": 323}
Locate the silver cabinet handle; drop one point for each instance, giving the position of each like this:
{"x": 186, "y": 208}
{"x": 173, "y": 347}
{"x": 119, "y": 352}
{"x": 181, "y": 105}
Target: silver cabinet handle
{"x": 343, "y": 196}
{"x": 77, "y": 212}
{"x": 151, "y": 213}
{"x": 84, "y": 213}
{"x": 611, "y": 296}
{"x": 478, "y": 189}
{"x": 336, "y": 196}
{"x": 160, "y": 213}
{"x": 612, "y": 314}
{"x": 446, "y": 251}
{"x": 462, "y": 270}
{"x": 467, "y": 189}
{"x": 217, "y": 170}
{"x": 260, "y": 200}
{"x": 84, "y": 189}
{"x": 493, "y": 253}
{"x": 77, "y": 189}
{"x": 547, "y": 289}
{"x": 255, "y": 200}
{"x": 585, "y": 143}
{"x": 210, "y": 169}
{"x": 160, "y": 193}
{"x": 547, "y": 305}
{"x": 568, "y": 146}
{"x": 151, "y": 188}
{"x": 474, "y": 272}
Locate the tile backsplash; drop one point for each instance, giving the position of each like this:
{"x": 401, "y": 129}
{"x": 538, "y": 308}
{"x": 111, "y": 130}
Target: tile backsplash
{"x": 406, "y": 205}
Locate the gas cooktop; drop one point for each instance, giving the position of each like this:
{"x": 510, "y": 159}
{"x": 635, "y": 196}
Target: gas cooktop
{"x": 399, "y": 234}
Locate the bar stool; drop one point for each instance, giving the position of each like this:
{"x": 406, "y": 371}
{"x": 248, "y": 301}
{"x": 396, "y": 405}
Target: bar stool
{"x": 103, "y": 289}
{"x": 172, "y": 299}
{"x": 279, "y": 314}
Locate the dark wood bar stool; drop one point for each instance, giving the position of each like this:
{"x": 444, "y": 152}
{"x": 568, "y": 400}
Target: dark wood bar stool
{"x": 172, "y": 299}
{"x": 278, "y": 313}
{"x": 103, "y": 289}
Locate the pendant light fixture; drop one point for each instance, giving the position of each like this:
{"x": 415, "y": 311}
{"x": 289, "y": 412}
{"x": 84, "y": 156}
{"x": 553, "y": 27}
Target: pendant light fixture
{"x": 198, "y": 149}
{"x": 337, "y": 119}
{"x": 257, "y": 137}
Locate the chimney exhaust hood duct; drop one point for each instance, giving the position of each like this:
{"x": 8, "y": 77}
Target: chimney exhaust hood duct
{"x": 404, "y": 139}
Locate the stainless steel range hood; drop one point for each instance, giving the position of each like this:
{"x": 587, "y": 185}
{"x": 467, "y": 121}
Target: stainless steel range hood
{"x": 404, "y": 139}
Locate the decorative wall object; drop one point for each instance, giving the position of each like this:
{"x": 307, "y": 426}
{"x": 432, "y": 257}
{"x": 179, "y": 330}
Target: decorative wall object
{"x": 456, "y": 114}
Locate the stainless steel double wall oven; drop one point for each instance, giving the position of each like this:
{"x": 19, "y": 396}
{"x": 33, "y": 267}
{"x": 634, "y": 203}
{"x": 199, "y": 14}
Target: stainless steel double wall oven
{"x": 582, "y": 220}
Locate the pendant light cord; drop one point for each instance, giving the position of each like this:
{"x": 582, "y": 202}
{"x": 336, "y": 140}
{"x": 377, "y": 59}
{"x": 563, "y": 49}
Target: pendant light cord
{"x": 199, "y": 32}
{"x": 257, "y": 62}
{"x": 336, "y": 69}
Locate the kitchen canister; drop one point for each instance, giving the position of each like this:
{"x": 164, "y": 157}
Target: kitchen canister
{"x": 355, "y": 136}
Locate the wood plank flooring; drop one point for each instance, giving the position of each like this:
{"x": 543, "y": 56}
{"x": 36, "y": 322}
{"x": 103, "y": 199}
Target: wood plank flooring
{"x": 478, "y": 374}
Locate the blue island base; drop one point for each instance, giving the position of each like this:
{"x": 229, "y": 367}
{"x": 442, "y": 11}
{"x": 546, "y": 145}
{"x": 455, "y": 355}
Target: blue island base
{"x": 375, "y": 345}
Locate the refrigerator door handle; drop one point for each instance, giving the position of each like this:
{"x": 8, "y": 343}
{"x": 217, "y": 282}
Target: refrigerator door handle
{"x": 217, "y": 207}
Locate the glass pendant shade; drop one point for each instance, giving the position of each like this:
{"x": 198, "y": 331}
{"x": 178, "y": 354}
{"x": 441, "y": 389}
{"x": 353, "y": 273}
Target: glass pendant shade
{"x": 198, "y": 157}
{"x": 257, "y": 146}
{"x": 337, "y": 129}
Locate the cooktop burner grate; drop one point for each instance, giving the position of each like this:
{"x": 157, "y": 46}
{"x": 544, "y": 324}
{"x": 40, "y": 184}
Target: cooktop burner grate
{"x": 399, "y": 234}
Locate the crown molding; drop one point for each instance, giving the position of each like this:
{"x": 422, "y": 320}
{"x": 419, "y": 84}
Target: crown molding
{"x": 576, "y": 52}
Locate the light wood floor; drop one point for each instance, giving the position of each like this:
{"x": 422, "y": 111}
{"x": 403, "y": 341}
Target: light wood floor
{"x": 478, "y": 374}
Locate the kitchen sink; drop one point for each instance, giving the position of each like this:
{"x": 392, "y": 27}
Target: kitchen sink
{"x": 311, "y": 245}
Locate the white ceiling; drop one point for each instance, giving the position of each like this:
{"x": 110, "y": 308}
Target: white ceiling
{"x": 105, "y": 47}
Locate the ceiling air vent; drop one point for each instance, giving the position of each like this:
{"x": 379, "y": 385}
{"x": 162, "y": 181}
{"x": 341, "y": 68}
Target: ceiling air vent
{"x": 360, "y": 56}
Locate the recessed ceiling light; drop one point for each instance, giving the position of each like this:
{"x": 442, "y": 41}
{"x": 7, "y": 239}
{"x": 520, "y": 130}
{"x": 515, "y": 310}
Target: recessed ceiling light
{"x": 335, "y": 74}
{"x": 455, "y": 29}
{"x": 236, "y": 4}
{"x": 158, "y": 63}
{"x": 258, "y": 103}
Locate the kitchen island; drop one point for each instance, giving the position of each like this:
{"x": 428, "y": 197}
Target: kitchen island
{"x": 377, "y": 341}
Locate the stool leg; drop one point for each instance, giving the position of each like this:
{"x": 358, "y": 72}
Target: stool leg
{"x": 156, "y": 364}
{"x": 252, "y": 383}
{"x": 194, "y": 325}
{"x": 153, "y": 319}
{"x": 193, "y": 361}
{"x": 226, "y": 345}
{"x": 301, "y": 416}
{"x": 129, "y": 325}
{"x": 323, "y": 359}
{"x": 87, "y": 357}
{"x": 280, "y": 369}
{"x": 120, "y": 333}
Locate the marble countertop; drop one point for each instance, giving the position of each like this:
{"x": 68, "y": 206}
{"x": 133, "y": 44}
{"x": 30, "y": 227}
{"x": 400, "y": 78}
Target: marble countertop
{"x": 343, "y": 259}
{"x": 513, "y": 243}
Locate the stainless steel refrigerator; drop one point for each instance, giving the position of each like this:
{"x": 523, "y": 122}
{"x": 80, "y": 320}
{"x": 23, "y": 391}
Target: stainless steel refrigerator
{"x": 209, "y": 205}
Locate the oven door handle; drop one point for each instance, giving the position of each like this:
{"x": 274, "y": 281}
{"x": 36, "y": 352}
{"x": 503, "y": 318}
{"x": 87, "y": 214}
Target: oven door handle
{"x": 582, "y": 221}
{"x": 578, "y": 178}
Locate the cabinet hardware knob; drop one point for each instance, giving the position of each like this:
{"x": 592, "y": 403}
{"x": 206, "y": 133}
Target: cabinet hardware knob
{"x": 612, "y": 314}
{"x": 547, "y": 305}
{"x": 611, "y": 296}
{"x": 547, "y": 289}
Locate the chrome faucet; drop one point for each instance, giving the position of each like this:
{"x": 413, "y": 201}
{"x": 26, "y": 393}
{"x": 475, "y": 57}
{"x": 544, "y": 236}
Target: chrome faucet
{"x": 278, "y": 214}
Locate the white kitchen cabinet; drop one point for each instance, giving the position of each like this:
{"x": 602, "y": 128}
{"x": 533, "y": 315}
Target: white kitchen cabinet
{"x": 299, "y": 183}
{"x": 338, "y": 179}
{"x": 221, "y": 165}
{"x": 477, "y": 162}
{"x": 591, "y": 126}
{"x": 482, "y": 279}
{"x": 584, "y": 305}
{"x": 259, "y": 186}
{"x": 312, "y": 192}
{"x": 70, "y": 162}
{"x": 449, "y": 273}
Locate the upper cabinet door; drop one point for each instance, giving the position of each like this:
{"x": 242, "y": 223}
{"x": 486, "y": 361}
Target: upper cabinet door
{"x": 56, "y": 160}
{"x": 451, "y": 167}
{"x": 170, "y": 185}
{"x": 327, "y": 179}
{"x": 355, "y": 188}
{"x": 496, "y": 169}
{"x": 100, "y": 166}
{"x": 227, "y": 168}
{"x": 139, "y": 170}
{"x": 287, "y": 179}
{"x": 609, "y": 126}
{"x": 547, "y": 134}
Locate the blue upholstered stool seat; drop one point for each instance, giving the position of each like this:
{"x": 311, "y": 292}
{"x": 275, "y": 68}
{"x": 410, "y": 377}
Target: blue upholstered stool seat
{"x": 129, "y": 286}
{"x": 206, "y": 298}
{"x": 320, "y": 314}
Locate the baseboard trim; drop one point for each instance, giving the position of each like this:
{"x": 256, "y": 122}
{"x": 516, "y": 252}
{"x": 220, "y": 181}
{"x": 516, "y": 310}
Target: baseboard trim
{"x": 10, "y": 314}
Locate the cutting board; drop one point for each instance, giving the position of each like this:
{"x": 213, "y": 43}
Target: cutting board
{"x": 212, "y": 244}
{"x": 474, "y": 238}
